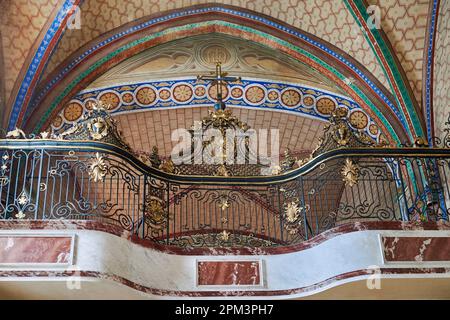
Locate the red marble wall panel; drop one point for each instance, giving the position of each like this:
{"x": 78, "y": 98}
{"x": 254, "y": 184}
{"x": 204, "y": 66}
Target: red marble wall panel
{"x": 228, "y": 273}
{"x": 35, "y": 249}
{"x": 397, "y": 249}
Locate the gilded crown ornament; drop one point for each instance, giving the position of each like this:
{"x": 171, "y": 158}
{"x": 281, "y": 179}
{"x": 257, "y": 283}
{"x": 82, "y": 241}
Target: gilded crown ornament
{"x": 97, "y": 125}
{"x": 339, "y": 134}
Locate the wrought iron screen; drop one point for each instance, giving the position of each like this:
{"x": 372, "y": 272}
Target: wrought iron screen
{"x": 47, "y": 179}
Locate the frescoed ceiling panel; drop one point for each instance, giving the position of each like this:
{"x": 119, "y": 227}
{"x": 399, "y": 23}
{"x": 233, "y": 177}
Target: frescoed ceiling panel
{"x": 329, "y": 20}
{"x": 21, "y": 22}
{"x": 405, "y": 24}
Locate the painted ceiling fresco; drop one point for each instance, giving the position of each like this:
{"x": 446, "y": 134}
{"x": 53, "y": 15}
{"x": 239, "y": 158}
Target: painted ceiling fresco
{"x": 194, "y": 55}
{"x": 395, "y": 77}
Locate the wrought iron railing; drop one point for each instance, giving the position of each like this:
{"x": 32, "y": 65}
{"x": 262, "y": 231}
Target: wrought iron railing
{"x": 43, "y": 179}
{"x": 88, "y": 172}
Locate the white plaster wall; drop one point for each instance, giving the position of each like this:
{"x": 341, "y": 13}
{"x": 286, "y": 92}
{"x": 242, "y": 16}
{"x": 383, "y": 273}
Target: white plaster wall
{"x": 106, "y": 253}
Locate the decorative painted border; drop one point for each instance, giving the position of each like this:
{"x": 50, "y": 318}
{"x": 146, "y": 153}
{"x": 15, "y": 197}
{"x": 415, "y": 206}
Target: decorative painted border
{"x": 165, "y": 96}
{"x": 245, "y": 15}
{"x": 427, "y": 89}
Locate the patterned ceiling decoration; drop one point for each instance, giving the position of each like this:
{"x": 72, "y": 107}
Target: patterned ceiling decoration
{"x": 441, "y": 75}
{"x": 20, "y": 19}
{"x": 357, "y": 93}
{"x": 393, "y": 70}
{"x": 330, "y": 20}
{"x": 349, "y": 44}
{"x": 405, "y": 25}
{"x": 25, "y": 21}
{"x": 179, "y": 93}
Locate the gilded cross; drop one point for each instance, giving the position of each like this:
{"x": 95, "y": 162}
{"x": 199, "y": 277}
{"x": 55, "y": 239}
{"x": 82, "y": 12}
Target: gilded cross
{"x": 219, "y": 78}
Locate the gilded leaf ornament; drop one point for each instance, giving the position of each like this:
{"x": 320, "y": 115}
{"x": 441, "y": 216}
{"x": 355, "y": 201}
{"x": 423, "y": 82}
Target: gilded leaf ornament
{"x": 16, "y": 134}
{"x": 20, "y": 215}
{"x": 292, "y": 211}
{"x": 224, "y": 235}
{"x": 350, "y": 173}
{"x": 97, "y": 168}
{"x": 155, "y": 214}
{"x": 224, "y": 204}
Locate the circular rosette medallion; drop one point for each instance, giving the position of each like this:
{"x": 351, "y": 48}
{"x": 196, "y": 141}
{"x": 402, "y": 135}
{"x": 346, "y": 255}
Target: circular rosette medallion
{"x": 308, "y": 101}
{"x": 73, "y": 111}
{"x": 373, "y": 129}
{"x": 358, "y": 119}
{"x": 212, "y": 92}
{"x": 213, "y": 52}
{"x": 200, "y": 91}
{"x": 182, "y": 93}
{"x": 273, "y": 95}
{"x": 127, "y": 97}
{"x": 236, "y": 92}
{"x": 57, "y": 122}
{"x": 145, "y": 96}
{"x": 291, "y": 98}
{"x": 164, "y": 94}
{"x": 325, "y": 106}
{"x": 254, "y": 95}
{"x": 110, "y": 100}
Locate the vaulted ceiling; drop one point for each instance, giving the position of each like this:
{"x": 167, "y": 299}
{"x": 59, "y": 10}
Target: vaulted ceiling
{"x": 395, "y": 76}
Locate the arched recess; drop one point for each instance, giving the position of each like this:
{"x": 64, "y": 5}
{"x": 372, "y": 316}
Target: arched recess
{"x": 108, "y": 50}
{"x": 165, "y": 77}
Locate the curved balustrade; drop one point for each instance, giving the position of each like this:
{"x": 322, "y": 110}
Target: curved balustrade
{"x": 53, "y": 179}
